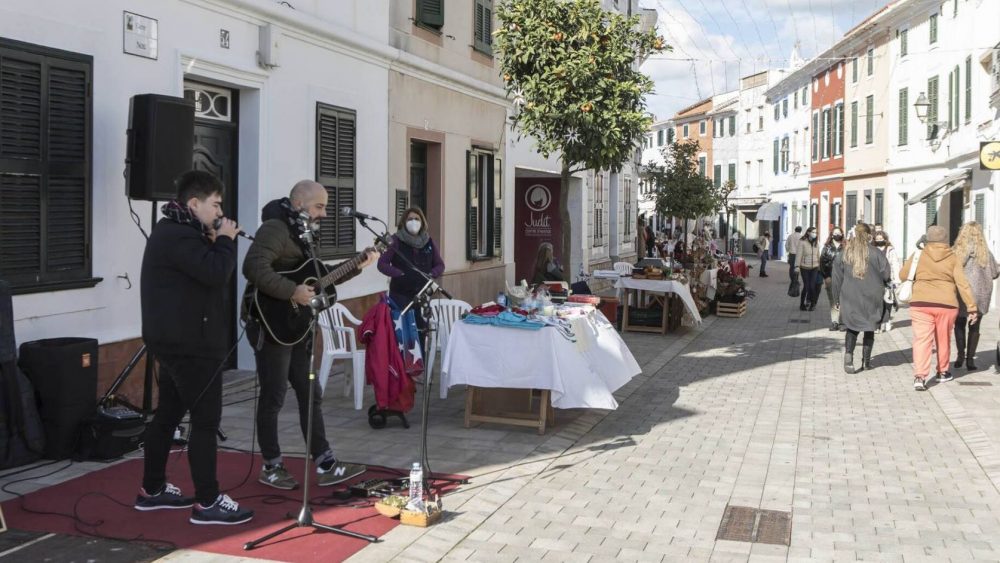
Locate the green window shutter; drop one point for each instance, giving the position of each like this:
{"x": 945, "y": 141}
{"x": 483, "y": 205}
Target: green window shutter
{"x": 931, "y": 212}
{"x": 732, "y": 126}
{"x": 335, "y": 170}
{"x": 496, "y": 223}
{"x": 732, "y": 171}
{"x": 968, "y": 89}
{"x": 430, "y": 13}
{"x": 483, "y": 26}
{"x": 815, "y": 136}
{"x": 871, "y": 61}
{"x": 879, "y": 207}
{"x": 854, "y": 69}
{"x": 951, "y": 99}
{"x": 980, "y": 207}
{"x": 903, "y": 43}
{"x": 717, "y": 172}
{"x": 775, "y": 157}
{"x": 854, "y": 124}
{"x": 904, "y": 108}
{"x": 777, "y": 112}
{"x": 840, "y": 128}
{"x": 702, "y": 166}
{"x": 852, "y": 209}
{"x": 870, "y": 120}
{"x": 471, "y": 206}
{"x": 933, "y": 25}
{"x": 932, "y": 110}
{"x": 402, "y": 201}
{"x": 958, "y": 97}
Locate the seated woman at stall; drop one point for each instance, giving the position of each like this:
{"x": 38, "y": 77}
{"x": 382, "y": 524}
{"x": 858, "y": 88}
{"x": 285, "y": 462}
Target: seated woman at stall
{"x": 546, "y": 266}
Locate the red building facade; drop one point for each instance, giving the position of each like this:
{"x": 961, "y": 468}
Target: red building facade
{"x": 826, "y": 130}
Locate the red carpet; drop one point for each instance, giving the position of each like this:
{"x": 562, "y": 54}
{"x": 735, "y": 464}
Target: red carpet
{"x": 105, "y": 517}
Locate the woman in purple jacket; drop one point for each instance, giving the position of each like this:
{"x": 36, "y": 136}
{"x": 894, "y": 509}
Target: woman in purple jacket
{"x": 414, "y": 242}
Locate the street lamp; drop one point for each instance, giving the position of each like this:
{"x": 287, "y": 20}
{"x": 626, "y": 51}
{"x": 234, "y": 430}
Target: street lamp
{"x": 922, "y": 105}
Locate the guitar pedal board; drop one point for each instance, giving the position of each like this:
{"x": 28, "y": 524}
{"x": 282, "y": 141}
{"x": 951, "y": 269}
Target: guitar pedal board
{"x": 379, "y": 488}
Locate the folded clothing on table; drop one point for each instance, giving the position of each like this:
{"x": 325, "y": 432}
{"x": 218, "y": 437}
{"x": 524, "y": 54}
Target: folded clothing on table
{"x": 508, "y": 319}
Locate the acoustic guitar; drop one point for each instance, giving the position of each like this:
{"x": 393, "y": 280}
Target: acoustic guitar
{"x": 286, "y": 321}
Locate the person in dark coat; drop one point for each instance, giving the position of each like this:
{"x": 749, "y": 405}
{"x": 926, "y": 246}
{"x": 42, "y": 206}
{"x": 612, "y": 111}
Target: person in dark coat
{"x": 187, "y": 264}
{"x": 546, "y": 266}
{"x": 860, "y": 275}
{"x": 833, "y": 246}
{"x": 413, "y": 241}
{"x": 278, "y": 247}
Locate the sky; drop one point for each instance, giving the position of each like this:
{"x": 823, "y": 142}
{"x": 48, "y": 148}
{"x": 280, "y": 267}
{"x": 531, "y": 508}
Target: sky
{"x": 720, "y": 41}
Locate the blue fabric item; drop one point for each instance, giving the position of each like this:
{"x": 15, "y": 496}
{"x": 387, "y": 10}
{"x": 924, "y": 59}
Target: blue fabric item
{"x": 507, "y": 319}
{"x": 407, "y": 337}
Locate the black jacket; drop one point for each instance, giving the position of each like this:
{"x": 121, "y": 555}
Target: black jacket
{"x": 184, "y": 277}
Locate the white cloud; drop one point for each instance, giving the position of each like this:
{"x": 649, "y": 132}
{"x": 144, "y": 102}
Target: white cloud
{"x": 728, "y": 39}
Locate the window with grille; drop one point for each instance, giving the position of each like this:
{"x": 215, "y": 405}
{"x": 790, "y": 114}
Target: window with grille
{"x": 430, "y": 13}
{"x": 598, "y": 208}
{"x": 484, "y": 205}
{"x": 483, "y": 26}
{"x": 335, "y": 170}
{"x": 45, "y": 168}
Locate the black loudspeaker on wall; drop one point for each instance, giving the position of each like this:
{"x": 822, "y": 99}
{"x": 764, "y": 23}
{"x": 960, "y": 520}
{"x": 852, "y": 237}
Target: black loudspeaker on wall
{"x": 64, "y": 373}
{"x": 160, "y": 144}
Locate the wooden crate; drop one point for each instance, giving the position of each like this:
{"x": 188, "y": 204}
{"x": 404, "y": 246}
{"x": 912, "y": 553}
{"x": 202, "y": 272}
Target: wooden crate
{"x": 732, "y": 310}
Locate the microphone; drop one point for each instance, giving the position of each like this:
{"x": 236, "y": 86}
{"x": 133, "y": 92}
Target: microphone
{"x": 240, "y": 233}
{"x": 348, "y": 212}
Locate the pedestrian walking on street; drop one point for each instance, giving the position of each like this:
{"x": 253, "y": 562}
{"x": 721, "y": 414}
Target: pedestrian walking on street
{"x": 831, "y": 249}
{"x": 792, "y": 249}
{"x": 860, "y": 274}
{"x": 881, "y": 242}
{"x": 809, "y": 255}
{"x": 764, "y": 249}
{"x": 934, "y": 304}
{"x": 980, "y": 268}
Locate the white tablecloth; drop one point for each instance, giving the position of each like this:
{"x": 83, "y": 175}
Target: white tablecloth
{"x": 662, "y": 286}
{"x": 581, "y": 374}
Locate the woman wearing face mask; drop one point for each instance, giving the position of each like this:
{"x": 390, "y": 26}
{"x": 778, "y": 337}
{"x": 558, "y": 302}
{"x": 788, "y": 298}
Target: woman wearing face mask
{"x": 831, "y": 250}
{"x": 860, "y": 273}
{"x": 882, "y": 243}
{"x": 414, "y": 242}
{"x": 808, "y": 265}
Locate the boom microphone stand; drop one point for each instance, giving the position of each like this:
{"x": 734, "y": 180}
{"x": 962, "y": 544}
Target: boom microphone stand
{"x": 305, "y": 518}
{"x": 422, "y": 303}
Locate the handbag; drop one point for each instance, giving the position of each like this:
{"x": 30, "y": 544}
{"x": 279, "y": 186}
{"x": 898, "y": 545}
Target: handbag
{"x": 793, "y": 288}
{"x": 905, "y": 290}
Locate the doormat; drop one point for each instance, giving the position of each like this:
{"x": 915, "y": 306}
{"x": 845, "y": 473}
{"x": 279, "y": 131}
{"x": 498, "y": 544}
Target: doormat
{"x": 102, "y": 504}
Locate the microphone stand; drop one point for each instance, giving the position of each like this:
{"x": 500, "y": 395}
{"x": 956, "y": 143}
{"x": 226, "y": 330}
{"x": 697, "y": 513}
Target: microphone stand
{"x": 305, "y": 518}
{"x": 422, "y": 302}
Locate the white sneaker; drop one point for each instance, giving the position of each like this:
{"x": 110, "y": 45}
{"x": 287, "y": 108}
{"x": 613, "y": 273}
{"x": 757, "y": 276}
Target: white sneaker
{"x": 918, "y": 384}
{"x": 888, "y": 327}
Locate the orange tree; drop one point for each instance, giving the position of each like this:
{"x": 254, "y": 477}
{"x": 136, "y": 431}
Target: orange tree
{"x": 571, "y": 69}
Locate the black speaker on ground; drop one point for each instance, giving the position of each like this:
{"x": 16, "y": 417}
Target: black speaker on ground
{"x": 160, "y": 145}
{"x": 64, "y": 373}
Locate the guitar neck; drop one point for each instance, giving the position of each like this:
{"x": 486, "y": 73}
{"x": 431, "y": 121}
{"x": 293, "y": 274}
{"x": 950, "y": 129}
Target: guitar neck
{"x": 342, "y": 270}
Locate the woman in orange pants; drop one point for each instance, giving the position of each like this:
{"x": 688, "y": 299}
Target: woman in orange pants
{"x": 934, "y": 306}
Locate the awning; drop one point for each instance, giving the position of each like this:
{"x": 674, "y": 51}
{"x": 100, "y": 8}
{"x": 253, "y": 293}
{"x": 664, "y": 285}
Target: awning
{"x": 770, "y": 211}
{"x": 953, "y": 180}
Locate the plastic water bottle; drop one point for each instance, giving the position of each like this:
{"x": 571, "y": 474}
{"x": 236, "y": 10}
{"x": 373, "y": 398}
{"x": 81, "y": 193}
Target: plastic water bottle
{"x": 416, "y": 501}
{"x": 501, "y": 299}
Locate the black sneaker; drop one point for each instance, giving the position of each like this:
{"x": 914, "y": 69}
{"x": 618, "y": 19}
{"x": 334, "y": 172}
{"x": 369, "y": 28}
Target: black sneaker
{"x": 224, "y": 511}
{"x": 338, "y": 473}
{"x": 169, "y": 498}
{"x": 945, "y": 376}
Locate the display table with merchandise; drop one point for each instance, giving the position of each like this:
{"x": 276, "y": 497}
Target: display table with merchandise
{"x": 670, "y": 289}
{"x": 579, "y": 364}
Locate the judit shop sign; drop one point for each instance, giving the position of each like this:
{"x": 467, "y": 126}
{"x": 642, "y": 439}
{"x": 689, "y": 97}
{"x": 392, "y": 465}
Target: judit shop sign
{"x": 536, "y": 220}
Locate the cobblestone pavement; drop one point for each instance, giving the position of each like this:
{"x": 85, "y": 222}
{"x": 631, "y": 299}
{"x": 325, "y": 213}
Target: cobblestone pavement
{"x": 753, "y": 412}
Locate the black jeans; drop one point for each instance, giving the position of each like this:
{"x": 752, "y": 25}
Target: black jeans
{"x": 277, "y": 366}
{"x": 811, "y": 281}
{"x": 791, "y": 268}
{"x": 186, "y": 384}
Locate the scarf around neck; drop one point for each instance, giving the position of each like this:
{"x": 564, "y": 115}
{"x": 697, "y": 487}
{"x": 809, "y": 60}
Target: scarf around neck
{"x": 416, "y": 241}
{"x": 179, "y": 213}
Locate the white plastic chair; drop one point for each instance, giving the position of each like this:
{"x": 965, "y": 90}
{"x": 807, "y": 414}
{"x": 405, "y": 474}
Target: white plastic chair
{"x": 446, "y": 312}
{"x": 340, "y": 343}
{"x": 623, "y": 268}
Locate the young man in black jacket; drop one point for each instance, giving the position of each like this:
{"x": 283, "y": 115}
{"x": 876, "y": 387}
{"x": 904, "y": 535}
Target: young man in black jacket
{"x": 186, "y": 266}
{"x": 277, "y": 247}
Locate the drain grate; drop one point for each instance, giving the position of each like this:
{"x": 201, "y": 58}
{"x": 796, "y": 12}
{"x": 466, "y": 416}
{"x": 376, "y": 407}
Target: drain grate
{"x": 805, "y": 321}
{"x": 745, "y": 524}
{"x": 976, "y": 383}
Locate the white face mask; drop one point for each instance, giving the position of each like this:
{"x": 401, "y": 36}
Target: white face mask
{"x": 413, "y": 226}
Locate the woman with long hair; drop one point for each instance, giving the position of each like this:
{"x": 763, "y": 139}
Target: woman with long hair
{"x": 860, "y": 274}
{"x": 882, "y": 243}
{"x": 808, "y": 254}
{"x": 934, "y": 304}
{"x": 546, "y": 267}
{"x": 980, "y": 268}
{"x": 831, "y": 249}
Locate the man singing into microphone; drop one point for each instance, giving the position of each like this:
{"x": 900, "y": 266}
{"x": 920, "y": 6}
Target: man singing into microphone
{"x": 278, "y": 246}
{"x": 185, "y": 269}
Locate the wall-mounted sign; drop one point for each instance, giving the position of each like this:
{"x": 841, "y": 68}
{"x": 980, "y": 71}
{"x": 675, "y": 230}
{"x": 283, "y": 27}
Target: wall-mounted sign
{"x": 989, "y": 155}
{"x": 224, "y": 38}
{"x": 139, "y": 35}
{"x": 536, "y": 220}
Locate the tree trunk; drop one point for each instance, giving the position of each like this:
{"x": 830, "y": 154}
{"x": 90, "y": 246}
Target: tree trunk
{"x": 566, "y": 257}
